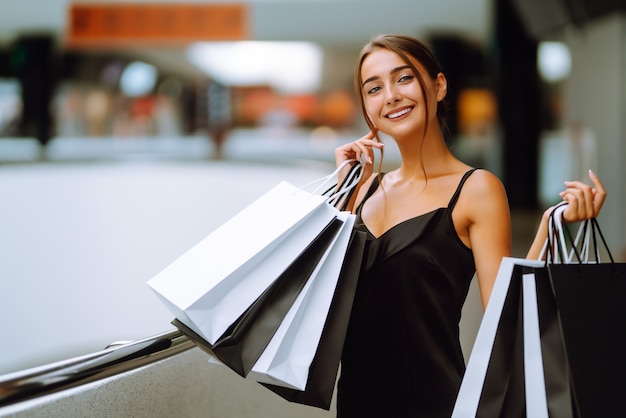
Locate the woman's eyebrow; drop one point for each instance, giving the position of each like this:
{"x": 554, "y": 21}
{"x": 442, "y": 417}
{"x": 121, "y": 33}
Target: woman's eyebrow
{"x": 393, "y": 71}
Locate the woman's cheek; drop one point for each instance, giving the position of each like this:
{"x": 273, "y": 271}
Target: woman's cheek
{"x": 371, "y": 110}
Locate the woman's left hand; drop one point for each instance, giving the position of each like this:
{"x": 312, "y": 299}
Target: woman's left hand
{"x": 584, "y": 201}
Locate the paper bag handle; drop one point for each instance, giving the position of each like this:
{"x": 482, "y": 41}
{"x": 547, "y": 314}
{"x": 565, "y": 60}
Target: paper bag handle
{"x": 558, "y": 232}
{"x": 338, "y": 194}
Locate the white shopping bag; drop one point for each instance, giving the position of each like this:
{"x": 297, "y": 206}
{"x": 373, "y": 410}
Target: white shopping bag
{"x": 287, "y": 358}
{"x": 213, "y": 283}
{"x": 470, "y": 391}
{"x": 534, "y": 381}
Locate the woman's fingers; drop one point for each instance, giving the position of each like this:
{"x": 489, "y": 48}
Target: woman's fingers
{"x": 578, "y": 200}
{"x": 580, "y": 195}
{"x": 361, "y": 149}
{"x": 599, "y": 193}
{"x": 584, "y": 201}
{"x": 365, "y": 146}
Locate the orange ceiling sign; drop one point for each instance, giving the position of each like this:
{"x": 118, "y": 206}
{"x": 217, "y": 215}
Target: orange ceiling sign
{"x": 118, "y": 23}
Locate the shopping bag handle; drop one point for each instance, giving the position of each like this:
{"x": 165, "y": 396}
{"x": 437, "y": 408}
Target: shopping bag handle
{"x": 338, "y": 194}
{"x": 595, "y": 227}
{"x": 326, "y": 179}
{"x": 555, "y": 247}
{"x": 558, "y": 232}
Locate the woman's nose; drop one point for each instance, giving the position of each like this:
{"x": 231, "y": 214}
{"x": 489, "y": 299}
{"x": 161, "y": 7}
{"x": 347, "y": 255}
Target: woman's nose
{"x": 392, "y": 94}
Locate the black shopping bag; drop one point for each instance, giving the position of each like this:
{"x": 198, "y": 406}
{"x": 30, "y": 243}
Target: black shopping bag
{"x": 325, "y": 366}
{"x": 582, "y": 318}
{"x": 497, "y": 378}
{"x": 590, "y": 297}
{"x": 244, "y": 341}
{"x": 493, "y": 384}
{"x": 591, "y": 300}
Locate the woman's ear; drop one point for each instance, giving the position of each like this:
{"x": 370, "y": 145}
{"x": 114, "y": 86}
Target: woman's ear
{"x": 441, "y": 86}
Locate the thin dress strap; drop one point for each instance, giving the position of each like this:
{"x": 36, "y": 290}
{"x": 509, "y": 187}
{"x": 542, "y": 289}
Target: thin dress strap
{"x": 456, "y": 194}
{"x": 369, "y": 193}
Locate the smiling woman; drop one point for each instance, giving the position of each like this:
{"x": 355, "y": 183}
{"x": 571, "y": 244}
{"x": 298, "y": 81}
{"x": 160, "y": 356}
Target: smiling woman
{"x": 432, "y": 224}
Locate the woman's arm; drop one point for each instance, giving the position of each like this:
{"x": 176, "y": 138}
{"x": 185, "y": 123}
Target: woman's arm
{"x": 490, "y": 222}
{"x": 489, "y": 228}
{"x": 583, "y": 202}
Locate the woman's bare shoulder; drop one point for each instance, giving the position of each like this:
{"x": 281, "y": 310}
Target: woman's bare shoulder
{"x": 484, "y": 182}
{"x": 483, "y": 192}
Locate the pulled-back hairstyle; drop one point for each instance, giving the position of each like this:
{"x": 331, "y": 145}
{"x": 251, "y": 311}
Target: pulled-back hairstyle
{"x": 405, "y": 47}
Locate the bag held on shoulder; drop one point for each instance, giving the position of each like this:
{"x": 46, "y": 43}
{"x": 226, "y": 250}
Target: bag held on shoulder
{"x": 267, "y": 308}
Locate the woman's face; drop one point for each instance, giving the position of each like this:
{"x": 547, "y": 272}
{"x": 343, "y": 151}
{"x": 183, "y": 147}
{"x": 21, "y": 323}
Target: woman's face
{"x": 393, "y": 98}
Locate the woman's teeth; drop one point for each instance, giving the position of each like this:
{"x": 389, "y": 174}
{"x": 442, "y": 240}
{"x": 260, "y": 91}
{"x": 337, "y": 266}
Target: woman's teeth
{"x": 400, "y": 113}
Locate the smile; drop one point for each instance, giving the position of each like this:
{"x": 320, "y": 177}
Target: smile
{"x": 399, "y": 113}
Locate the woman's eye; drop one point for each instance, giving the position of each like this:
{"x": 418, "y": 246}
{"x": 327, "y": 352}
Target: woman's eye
{"x": 373, "y": 90}
{"x": 406, "y": 78}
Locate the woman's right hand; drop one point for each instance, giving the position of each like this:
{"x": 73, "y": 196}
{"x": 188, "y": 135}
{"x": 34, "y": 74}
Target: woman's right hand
{"x": 362, "y": 150}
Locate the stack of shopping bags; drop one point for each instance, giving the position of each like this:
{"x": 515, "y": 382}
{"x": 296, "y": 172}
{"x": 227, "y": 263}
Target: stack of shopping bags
{"x": 269, "y": 292}
{"x": 552, "y": 342}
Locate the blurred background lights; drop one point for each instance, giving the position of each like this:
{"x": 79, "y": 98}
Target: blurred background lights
{"x": 138, "y": 79}
{"x": 554, "y": 60}
{"x": 288, "y": 67}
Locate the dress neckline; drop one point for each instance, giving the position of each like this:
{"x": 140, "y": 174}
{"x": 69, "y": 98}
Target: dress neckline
{"x": 404, "y": 222}
{"x": 375, "y": 184}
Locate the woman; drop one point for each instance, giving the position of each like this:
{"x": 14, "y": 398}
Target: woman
{"x": 431, "y": 224}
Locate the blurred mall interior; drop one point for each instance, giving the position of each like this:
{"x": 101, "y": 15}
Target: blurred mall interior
{"x": 128, "y": 130}
{"x": 516, "y": 69}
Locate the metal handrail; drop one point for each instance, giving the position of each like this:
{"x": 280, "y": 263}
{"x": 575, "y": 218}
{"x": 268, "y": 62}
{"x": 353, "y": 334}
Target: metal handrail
{"x": 43, "y": 380}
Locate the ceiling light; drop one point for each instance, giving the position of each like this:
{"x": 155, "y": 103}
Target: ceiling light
{"x": 289, "y": 67}
{"x": 554, "y": 61}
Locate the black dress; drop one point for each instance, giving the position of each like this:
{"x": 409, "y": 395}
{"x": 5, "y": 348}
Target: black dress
{"x": 402, "y": 356}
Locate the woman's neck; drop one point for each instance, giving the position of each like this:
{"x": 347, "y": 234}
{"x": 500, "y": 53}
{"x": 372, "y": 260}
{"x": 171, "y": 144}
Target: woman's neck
{"x": 428, "y": 156}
